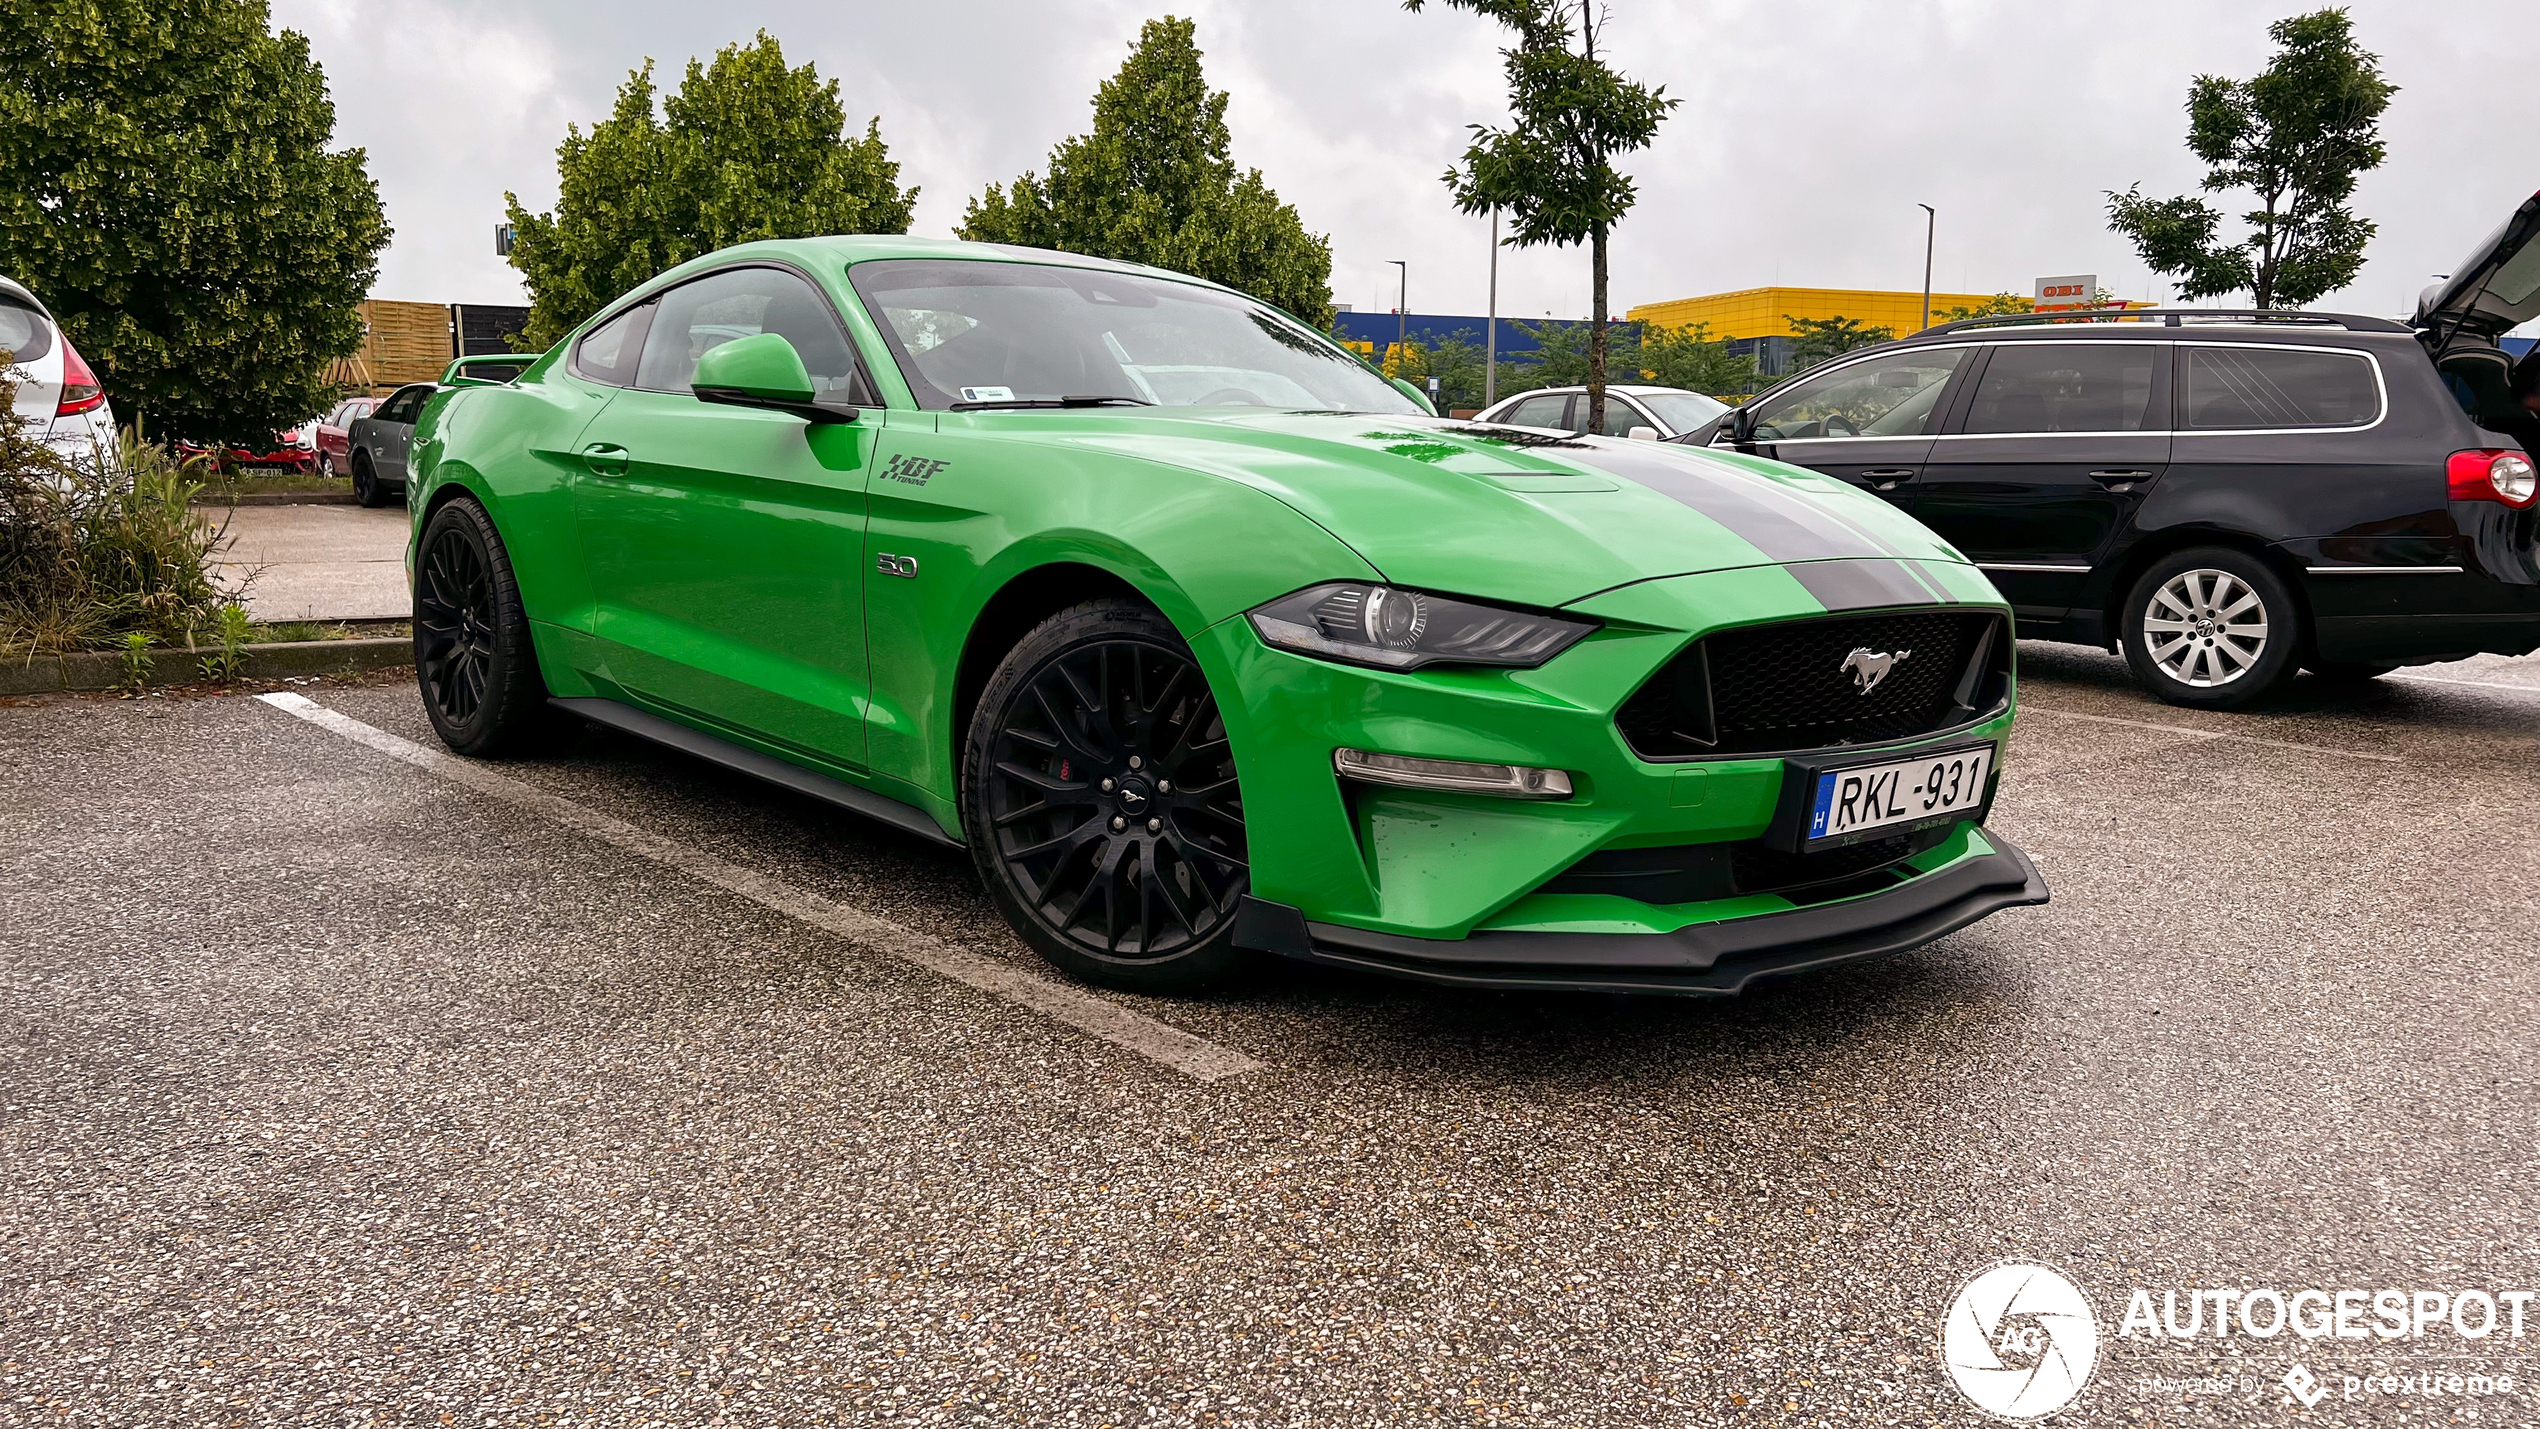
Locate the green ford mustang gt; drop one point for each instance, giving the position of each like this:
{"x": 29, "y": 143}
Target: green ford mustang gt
{"x": 1207, "y": 641}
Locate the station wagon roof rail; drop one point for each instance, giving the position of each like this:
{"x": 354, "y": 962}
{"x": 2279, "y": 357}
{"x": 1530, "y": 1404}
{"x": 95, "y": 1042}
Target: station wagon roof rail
{"x": 2173, "y": 317}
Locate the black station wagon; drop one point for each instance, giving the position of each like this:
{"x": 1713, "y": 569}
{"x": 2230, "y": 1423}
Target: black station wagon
{"x": 2226, "y": 496}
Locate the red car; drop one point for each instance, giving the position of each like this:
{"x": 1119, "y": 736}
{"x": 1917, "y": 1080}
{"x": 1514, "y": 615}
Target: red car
{"x": 294, "y": 449}
{"x": 334, "y": 448}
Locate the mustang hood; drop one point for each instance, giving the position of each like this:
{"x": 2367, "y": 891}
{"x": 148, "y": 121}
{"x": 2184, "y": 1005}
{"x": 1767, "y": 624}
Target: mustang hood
{"x": 1518, "y": 515}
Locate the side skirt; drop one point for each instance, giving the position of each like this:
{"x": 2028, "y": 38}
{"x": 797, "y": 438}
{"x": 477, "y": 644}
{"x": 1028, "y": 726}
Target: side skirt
{"x": 904, "y": 817}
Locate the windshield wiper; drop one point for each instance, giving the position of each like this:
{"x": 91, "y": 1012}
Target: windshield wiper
{"x": 1016, "y": 403}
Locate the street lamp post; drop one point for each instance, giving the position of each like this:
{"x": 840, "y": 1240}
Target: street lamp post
{"x": 1402, "y": 316}
{"x": 1931, "y": 221}
{"x": 1490, "y": 349}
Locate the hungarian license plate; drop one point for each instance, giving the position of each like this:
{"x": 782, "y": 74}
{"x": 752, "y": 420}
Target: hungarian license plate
{"x": 1926, "y": 789}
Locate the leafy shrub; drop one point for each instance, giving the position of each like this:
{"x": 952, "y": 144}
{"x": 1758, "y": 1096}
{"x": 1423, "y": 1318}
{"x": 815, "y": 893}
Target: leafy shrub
{"x": 93, "y": 550}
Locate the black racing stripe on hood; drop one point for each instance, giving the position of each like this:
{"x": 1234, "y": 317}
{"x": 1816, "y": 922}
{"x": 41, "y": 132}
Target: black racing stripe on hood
{"x": 1865, "y": 585}
{"x": 1784, "y": 525}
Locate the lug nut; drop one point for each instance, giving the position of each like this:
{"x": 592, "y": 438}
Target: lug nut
{"x": 1155, "y": 826}
{"x": 1118, "y": 823}
{"x": 1136, "y": 763}
{"x": 1164, "y": 786}
{"x": 1107, "y": 786}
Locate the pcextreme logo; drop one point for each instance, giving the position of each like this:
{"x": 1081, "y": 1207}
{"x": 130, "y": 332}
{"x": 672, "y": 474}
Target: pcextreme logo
{"x": 2020, "y": 1341}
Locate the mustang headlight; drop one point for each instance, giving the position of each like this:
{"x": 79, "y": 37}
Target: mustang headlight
{"x": 1394, "y": 629}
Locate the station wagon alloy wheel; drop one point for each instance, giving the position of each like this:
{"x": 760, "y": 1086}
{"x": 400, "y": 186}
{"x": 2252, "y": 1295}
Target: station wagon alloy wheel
{"x": 2206, "y": 628}
{"x": 1107, "y": 784}
{"x": 2212, "y": 627}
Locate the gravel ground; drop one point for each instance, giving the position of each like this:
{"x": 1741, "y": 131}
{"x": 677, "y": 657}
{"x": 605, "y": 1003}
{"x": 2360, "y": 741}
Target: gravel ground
{"x": 333, "y": 1092}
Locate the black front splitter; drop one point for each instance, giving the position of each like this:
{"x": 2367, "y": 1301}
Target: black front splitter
{"x": 1702, "y": 960}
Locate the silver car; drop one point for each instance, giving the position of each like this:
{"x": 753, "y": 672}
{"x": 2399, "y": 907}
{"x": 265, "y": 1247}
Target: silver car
{"x": 58, "y": 396}
{"x": 1658, "y": 412}
{"x": 381, "y": 443}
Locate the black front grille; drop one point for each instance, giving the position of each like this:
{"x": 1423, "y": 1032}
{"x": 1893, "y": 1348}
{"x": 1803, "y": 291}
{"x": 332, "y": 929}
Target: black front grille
{"x": 1770, "y": 688}
{"x": 1699, "y": 873}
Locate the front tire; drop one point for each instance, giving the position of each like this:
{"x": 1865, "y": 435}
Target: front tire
{"x": 473, "y": 656}
{"x": 326, "y": 466}
{"x": 1099, "y": 794}
{"x": 366, "y": 487}
{"x": 2212, "y": 628}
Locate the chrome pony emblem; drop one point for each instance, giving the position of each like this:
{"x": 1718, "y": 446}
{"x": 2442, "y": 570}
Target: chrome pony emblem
{"x": 1867, "y": 667}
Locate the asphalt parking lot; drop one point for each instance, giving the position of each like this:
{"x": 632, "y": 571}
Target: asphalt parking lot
{"x": 345, "y": 1086}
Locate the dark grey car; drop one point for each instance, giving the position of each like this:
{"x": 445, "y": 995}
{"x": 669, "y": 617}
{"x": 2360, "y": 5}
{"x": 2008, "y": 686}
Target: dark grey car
{"x": 2226, "y": 497}
{"x": 382, "y": 442}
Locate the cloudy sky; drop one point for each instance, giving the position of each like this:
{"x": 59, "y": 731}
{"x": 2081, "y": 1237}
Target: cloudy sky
{"x": 1809, "y": 128}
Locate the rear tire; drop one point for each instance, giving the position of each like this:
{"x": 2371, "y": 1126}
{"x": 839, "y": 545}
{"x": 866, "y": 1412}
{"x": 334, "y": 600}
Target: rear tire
{"x": 1099, "y": 794}
{"x": 474, "y": 660}
{"x": 366, "y": 488}
{"x": 2212, "y": 628}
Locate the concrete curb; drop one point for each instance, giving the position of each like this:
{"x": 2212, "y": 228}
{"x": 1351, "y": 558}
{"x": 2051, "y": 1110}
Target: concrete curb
{"x": 282, "y": 498}
{"x": 103, "y": 669}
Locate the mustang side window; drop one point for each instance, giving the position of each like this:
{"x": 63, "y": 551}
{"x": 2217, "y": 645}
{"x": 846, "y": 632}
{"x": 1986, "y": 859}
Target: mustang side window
{"x": 605, "y": 353}
{"x": 695, "y": 318}
{"x": 2246, "y": 386}
{"x": 2064, "y": 387}
{"x": 1897, "y": 395}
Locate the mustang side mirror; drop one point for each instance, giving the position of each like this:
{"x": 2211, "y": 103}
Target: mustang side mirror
{"x": 1406, "y": 387}
{"x": 762, "y": 371}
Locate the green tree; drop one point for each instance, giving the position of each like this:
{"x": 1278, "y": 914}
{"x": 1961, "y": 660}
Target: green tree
{"x": 746, "y": 149}
{"x": 1822, "y": 338}
{"x": 167, "y": 190}
{"x": 1154, "y": 183}
{"x": 1455, "y": 360}
{"x": 1999, "y": 305}
{"x": 1689, "y": 357}
{"x": 2296, "y": 137}
{"x": 1552, "y": 168}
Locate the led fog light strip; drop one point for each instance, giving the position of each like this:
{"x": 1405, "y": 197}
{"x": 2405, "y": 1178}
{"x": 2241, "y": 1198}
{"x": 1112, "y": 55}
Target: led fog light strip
{"x": 1504, "y": 781}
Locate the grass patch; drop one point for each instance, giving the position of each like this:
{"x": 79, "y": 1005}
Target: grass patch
{"x": 290, "y": 631}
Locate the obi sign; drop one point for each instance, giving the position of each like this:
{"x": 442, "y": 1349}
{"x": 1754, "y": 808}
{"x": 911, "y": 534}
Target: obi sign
{"x": 2070, "y": 291}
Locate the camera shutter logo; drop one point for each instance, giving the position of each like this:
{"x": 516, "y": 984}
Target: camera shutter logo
{"x": 2020, "y": 1341}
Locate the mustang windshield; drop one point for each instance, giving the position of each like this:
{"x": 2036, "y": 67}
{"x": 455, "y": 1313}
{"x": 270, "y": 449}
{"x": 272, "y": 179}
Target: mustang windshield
{"x": 974, "y": 333}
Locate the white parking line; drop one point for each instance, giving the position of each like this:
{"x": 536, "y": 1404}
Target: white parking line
{"x": 2029, "y": 709}
{"x": 2482, "y": 684}
{"x": 1175, "y": 1048}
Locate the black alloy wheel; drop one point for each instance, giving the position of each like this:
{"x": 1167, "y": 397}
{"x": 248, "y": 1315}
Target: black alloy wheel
{"x": 366, "y": 488}
{"x": 473, "y": 657}
{"x": 1102, "y": 805}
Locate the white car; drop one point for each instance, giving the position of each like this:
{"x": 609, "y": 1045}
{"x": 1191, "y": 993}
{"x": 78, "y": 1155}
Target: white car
{"x": 1664, "y": 411}
{"x": 58, "y": 396}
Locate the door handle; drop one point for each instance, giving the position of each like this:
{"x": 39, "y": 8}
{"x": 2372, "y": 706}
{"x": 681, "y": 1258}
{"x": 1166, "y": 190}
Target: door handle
{"x": 1885, "y": 478}
{"x": 605, "y": 459}
{"x": 2120, "y": 481}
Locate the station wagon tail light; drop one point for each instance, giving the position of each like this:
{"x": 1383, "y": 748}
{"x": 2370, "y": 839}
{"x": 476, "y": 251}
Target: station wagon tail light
{"x": 2490, "y": 475}
{"x": 1361, "y": 623}
{"x": 81, "y": 391}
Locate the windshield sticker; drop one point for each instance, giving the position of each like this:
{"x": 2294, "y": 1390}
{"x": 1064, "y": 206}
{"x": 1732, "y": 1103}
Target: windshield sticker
{"x": 987, "y": 394}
